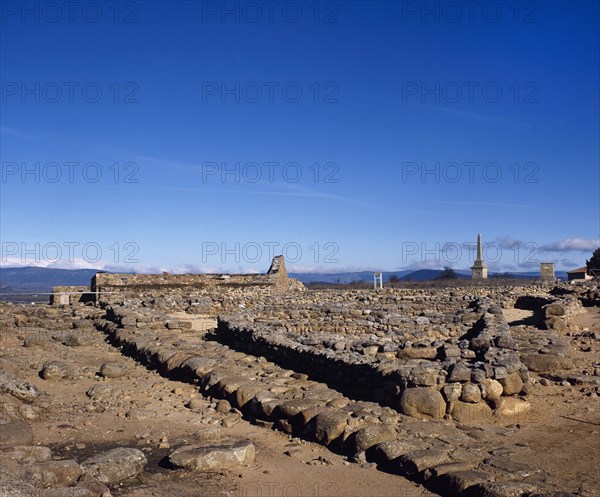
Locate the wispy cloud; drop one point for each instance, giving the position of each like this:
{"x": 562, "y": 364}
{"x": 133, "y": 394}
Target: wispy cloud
{"x": 75, "y": 263}
{"x": 306, "y": 193}
{"x": 567, "y": 263}
{"x": 509, "y": 243}
{"x": 571, "y": 245}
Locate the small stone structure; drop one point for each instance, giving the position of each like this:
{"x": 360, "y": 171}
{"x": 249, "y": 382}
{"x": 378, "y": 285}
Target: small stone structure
{"x": 66, "y": 295}
{"x": 547, "y": 271}
{"x": 479, "y": 269}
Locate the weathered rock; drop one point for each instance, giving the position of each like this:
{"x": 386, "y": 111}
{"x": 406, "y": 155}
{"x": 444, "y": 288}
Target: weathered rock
{"x": 6, "y": 473}
{"x": 231, "y": 419}
{"x": 546, "y": 362}
{"x": 140, "y": 414}
{"x": 467, "y": 413}
{"x": 291, "y": 408}
{"x": 28, "y": 453}
{"x": 470, "y": 393}
{"x": 112, "y": 370}
{"x": 551, "y": 493}
{"x": 371, "y": 435}
{"x": 15, "y": 433}
{"x": 555, "y": 309}
{"x": 198, "y": 365}
{"x": 503, "y": 489}
{"x": 101, "y": 393}
{"x": 209, "y": 436}
{"x": 329, "y": 425}
{"x": 19, "y": 389}
{"x": 30, "y": 412}
{"x": 245, "y": 392}
{"x": 442, "y": 469}
{"x": 176, "y": 360}
{"x": 452, "y": 391}
{"x": 460, "y": 372}
{"x": 304, "y": 417}
{"x": 509, "y": 465}
{"x": 512, "y": 384}
{"x": 95, "y": 487}
{"x": 455, "y": 482}
{"x": 424, "y": 377}
{"x": 213, "y": 457}
{"x": 65, "y": 472}
{"x": 70, "y": 491}
{"x": 223, "y": 406}
{"x": 115, "y": 465}
{"x": 75, "y": 339}
{"x": 17, "y": 488}
{"x": 54, "y": 370}
{"x": 512, "y": 407}
{"x": 478, "y": 376}
{"x": 341, "y": 402}
{"x": 426, "y": 403}
{"x": 283, "y": 425}
{"x": 556, "y": 323}
{"x": 418, "y": 461}
{"x": 418, "y": 353}
{"x": 262, "y": 406}
{"x": 493, "y": 389}
{"x": 36, "y": 340}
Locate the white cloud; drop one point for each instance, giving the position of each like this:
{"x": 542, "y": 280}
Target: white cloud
{"x": 76, "y": 263}
{"x": 571, "y": 244}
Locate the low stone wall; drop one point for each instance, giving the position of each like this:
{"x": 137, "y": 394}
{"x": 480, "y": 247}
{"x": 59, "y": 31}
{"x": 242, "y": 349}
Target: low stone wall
{"x": 66, "y": 295}
{"x": 559, "y": 314}
{"x": 552, "y": 312}
{"x": 466, "y": 377}
{"x": 121, "y": 287}
{"x": 451, "y": 459}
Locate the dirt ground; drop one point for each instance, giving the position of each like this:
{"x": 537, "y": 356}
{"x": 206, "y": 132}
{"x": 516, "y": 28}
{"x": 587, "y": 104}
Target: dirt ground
{"x": 561, "y": 434}
{"x": 562, "y": 431}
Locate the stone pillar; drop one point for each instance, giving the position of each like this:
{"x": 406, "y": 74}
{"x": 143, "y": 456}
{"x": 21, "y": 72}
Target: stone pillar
{"x": 479, "y": 269}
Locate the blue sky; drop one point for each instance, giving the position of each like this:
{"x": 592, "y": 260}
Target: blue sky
{"x": 181, "y": 136}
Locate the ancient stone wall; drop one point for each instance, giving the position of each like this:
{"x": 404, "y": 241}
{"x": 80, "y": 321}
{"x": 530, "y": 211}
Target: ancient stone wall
{"x": 463, "y": 367}
{"x": 65, "y": 295}
{"x": 117, "y": 287}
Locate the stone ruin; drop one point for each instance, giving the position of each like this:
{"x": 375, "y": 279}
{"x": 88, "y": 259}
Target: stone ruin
{"x": 106, "y": 286}
{"x": 391, "y": 376}
{"x": 449, "y": 355}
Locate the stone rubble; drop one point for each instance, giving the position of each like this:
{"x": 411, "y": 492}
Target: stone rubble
{"x": 404, "y": 379}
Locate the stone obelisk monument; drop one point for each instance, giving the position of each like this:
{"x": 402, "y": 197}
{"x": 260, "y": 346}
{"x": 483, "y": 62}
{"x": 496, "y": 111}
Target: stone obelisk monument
{"x": 479, "y": 269}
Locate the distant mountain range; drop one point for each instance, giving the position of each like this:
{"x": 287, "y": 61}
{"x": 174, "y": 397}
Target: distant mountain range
{"x": 17, "y": 281}
{"x": 405, "y": 275}
{"x": 21, "y": 283}
{"x": 367, "y": 276}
